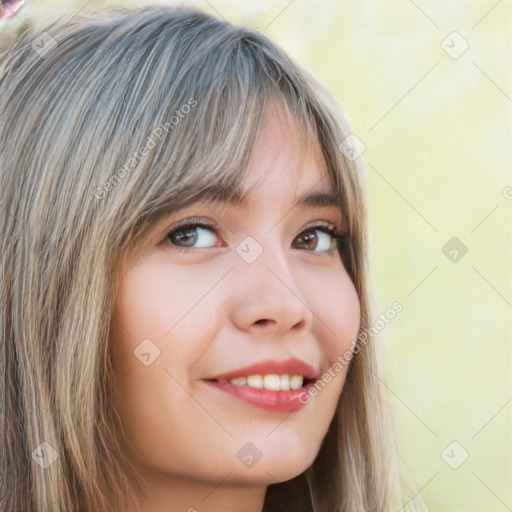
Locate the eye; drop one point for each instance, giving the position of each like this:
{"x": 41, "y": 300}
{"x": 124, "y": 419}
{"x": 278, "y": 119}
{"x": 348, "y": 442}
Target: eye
{"x": 192, "y": 235}
{"x": 195, "y": 235}
{"x": 318, "y": 238}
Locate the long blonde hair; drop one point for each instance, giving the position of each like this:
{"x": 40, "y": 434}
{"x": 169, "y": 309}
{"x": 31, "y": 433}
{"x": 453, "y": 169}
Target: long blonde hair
{"x": 78, "y": 103}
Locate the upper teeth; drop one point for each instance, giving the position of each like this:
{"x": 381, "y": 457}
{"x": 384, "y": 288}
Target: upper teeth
{"x": 271, "y": 382}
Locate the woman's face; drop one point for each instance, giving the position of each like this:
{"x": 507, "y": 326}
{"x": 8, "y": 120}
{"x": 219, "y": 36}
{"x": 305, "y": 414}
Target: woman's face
{"x": 207, "y": 316}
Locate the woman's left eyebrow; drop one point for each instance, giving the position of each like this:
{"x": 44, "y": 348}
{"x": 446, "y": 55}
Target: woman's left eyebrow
{"x": 318, "y": 198}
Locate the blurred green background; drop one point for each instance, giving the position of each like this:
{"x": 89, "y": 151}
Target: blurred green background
{"x": 427, "y": 88}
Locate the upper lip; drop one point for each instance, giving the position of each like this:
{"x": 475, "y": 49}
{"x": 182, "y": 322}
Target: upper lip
{"x": 271, "y": 367}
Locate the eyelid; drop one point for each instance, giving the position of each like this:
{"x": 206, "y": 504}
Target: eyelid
{"x": 320, "y": 223}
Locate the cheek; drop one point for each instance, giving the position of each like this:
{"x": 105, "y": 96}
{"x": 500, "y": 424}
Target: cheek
{"x": 337, "y": 308}
{"x": 151, "y": 300}
{"x": 154, "y": 303}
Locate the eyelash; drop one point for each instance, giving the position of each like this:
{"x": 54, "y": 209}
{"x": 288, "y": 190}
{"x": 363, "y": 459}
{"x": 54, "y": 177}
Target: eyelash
{"x": 339, "y": 238}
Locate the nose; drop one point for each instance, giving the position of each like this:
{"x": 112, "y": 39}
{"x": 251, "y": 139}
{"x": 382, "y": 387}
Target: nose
{"x": 267, "y": 298}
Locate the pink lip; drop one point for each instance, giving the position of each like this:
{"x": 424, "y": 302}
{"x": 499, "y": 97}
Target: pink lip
{"x": 275, "y": 401}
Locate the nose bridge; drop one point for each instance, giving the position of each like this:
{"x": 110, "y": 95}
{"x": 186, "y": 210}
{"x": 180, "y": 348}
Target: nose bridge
{"x": 266, "y": 291}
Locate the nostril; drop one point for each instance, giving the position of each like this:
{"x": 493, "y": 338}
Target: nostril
{"x": 263, "y": 321}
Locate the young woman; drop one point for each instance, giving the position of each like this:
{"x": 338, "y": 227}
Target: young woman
{"x": 186, "y": 310}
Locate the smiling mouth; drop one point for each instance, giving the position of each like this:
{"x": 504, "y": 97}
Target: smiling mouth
{"x": 271, "y": 392}
{"x": 269, "y": 382}
{"x": 273, "y": 385}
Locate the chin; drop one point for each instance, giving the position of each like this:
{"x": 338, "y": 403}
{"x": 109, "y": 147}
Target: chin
{"x": 278, "y": 466}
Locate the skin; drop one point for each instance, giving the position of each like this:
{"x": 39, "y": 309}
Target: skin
{"x": 294, "y": 300}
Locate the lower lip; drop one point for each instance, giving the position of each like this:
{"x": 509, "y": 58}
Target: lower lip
{"x": 275, "y": 401}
